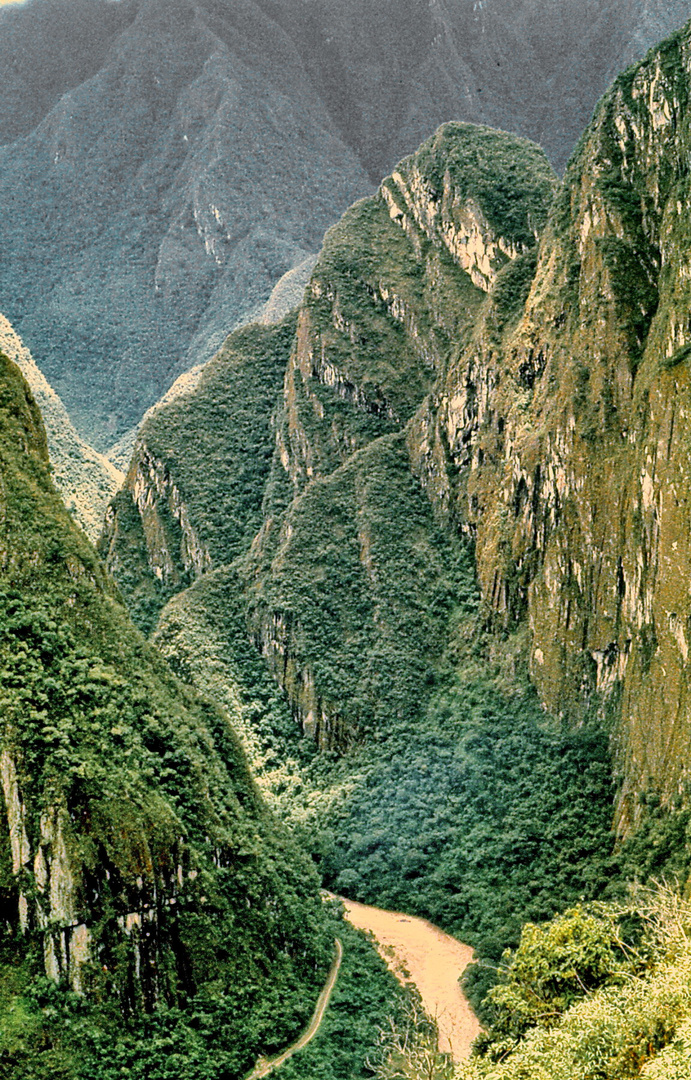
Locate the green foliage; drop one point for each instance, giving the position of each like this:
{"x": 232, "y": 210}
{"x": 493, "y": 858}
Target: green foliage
{"x": 510, "y": 178}
{"x": 511, "y": 291}
{"x": 145, "y": 593}
{"x": 158, "y": 816}
{"x": 217, "y": 442}
{"x": 384, "y": 314}
{"x": 217, "y": 445}
{"x": 659, "y": 848}
{"x": 367, "y": 591}
{"x": 634, "y": 1025}
{"x": 364, "y": 252}
{"x": 476, "y": 812}
{"x": 466, "y": 805}
{"x": 366, "y": 999}
{"x": 479, "y": 822}
{"x": 555, "y": 965}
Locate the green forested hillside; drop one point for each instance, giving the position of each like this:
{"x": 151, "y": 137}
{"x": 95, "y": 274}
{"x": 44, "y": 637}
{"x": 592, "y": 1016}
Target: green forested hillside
{"x": 441, "y": 788}
{"x": 152, "y": 910}
{"x": 469, "y": 578}
{"x": 215, "y": 446}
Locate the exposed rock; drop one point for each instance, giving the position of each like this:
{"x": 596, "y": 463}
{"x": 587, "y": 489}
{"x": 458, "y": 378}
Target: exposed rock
{"x": 389, "y": 302}
{"x": 569, "y": 444}
{"x": 165, "y": 162}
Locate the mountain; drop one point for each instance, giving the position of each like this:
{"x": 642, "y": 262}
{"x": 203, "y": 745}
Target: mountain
{"x": 164, "y": 162}
{"x": 86, "y": 480}
{"x": 150, "y": 904}
{"x": 398, "y": 289}
{"x": 459, "y": 540}
{"x": 137, "y": 193}
{"x": 321, "y": 542}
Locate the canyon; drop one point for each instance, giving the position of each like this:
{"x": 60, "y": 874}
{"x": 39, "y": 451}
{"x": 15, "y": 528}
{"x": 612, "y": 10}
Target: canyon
{"x": 164, "y": 162}
{"x": 406, "y": 561}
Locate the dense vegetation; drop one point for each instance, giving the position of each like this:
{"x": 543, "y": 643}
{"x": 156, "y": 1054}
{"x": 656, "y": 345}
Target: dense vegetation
{"x": 509, "y": 179}
{"x": 602, "y": 993}
{"x": 477, "y": 811}
{"x": 367, "y": 998}
{"x": 49, "y": 1032}
{"x": 131, "y": 823}
{"x": 367, "y": 598}
{"x": 457, "y": 798}
{"x": 218, "y": 444}
{"x": 442, "y": 786}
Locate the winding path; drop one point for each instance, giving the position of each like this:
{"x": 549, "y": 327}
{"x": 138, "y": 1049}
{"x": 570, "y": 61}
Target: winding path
{"x": 264, "y": 1066}
{"x": 419, "y": 952}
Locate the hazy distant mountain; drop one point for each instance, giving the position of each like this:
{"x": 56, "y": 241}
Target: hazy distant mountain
{"x": 164, "y": 162}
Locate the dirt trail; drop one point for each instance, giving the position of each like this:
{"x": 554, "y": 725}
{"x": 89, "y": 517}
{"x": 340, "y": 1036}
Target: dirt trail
{"x": 264, "y": 1066}
{"x": 434, "y": 960}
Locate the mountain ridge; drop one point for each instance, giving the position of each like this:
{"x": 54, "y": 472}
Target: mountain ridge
{"x": 215, "y": 144}
{"x": 517, "y": 419}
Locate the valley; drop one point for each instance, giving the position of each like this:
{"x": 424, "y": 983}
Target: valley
{"x": 376, "y": 621}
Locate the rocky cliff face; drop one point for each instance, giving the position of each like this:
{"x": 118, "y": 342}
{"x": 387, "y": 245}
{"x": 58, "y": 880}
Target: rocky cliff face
{"x": 464, "y": 372}
{"x": 398, "y": 289}
{"x": 130, "y": 170}
{"x": 395, "y": 294}
{"x": 574, "y": 467}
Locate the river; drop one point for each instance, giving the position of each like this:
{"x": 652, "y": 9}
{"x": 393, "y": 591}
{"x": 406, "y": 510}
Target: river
{"x": 434, "y": 961}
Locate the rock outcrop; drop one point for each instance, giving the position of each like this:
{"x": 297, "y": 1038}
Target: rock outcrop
{"x": 575, "y": 461}
{"x": 164, "y": 162}
{"x": 397, "y": 289}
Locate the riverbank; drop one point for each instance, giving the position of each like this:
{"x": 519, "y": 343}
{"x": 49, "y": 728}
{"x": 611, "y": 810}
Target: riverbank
{"x": 418, "y": 952}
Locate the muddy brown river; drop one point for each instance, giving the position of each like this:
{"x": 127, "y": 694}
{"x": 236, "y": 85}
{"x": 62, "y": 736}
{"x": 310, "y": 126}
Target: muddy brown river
{"x": 434, "y": 961}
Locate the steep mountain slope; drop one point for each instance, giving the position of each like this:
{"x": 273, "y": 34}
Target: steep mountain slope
{"x": 441, "y": 787}
{"x": 86, "y": 480}
{"x": 561, "y": 448}
{"x": 139, "y": 870}
{"x": 392, "y": 299}
{"x": 396, "y": 293}
{"x": 193, "y": 496}
{"x": 137, "y": 196}
{"x": 164, "y": 162}
{"x": 452, "y": 382}
{"x": 575, "y": 476}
